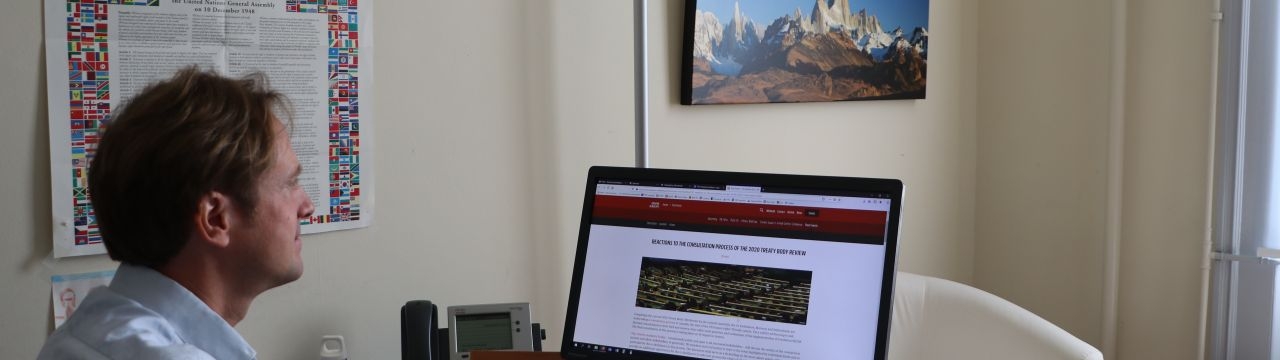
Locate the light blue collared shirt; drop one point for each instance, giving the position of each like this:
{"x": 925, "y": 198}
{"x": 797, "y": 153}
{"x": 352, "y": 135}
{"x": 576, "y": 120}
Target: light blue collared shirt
{"x": 144, "y": 315}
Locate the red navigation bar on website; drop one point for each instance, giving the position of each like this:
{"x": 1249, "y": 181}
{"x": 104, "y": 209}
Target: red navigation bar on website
{"x": 662, "y": 212}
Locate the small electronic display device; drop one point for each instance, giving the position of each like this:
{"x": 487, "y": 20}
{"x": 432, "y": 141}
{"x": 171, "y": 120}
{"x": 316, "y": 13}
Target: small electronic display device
{"x": 489, "y": 327}
{"x": 681, "y": 264}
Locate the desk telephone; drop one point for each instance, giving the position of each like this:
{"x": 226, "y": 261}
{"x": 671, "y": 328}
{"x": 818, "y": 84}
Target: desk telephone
{"x": 471, "y": 327}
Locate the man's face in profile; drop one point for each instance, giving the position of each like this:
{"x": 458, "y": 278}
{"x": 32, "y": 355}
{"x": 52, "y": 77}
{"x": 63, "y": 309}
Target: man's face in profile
{"x": 269, "y": 236}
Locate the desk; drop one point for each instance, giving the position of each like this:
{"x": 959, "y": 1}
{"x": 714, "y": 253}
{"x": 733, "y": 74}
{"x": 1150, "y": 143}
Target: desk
{"x": 515, "y": 355}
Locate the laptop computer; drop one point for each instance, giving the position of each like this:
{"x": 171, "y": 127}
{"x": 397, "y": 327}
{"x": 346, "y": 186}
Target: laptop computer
{"x": 683, "y": 264}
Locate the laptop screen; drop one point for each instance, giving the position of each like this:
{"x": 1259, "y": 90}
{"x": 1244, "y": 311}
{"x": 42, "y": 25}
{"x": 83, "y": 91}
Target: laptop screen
{"x": 677, "y": 264}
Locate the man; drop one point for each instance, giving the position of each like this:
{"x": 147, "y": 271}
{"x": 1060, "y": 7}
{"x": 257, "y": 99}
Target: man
{"x": 195, "y": 189}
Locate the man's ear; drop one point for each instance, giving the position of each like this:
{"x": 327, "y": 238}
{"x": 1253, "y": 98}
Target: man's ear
{"x": 214, "y": 219}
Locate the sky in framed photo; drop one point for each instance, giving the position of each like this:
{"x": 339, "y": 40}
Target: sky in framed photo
{"x": 907, "y": 14}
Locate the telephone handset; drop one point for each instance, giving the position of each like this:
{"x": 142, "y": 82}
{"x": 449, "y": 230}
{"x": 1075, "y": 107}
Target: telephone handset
{"x": 420, "y": 333}
{"x": 471, "y": 327}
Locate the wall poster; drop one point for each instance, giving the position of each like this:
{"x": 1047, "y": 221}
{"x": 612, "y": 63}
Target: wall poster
{"x": 317, "y": 52}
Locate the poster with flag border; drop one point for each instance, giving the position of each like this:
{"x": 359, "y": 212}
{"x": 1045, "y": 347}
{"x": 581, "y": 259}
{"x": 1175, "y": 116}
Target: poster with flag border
{"x": 317, "y": 52}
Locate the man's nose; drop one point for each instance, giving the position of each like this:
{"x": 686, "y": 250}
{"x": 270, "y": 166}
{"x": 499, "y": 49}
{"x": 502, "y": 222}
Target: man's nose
{"x": 307, "y": 208}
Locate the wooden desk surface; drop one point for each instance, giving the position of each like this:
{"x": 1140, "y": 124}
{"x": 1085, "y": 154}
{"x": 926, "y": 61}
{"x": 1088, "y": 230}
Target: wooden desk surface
{"x": 515, "y": 355}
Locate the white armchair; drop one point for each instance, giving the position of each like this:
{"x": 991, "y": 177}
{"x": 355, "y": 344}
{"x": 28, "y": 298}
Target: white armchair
{"x": 941, "y": 319}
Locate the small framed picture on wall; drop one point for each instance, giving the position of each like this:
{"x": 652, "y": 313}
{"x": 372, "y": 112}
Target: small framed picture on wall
{"x": 772, "y": 51}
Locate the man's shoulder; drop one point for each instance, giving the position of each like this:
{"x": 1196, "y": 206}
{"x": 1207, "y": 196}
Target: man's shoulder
{"x": 110, "y": 326}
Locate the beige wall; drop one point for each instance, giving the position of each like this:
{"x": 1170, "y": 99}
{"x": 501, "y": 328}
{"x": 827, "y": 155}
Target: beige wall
{"x": 1044, "y": 109}
{"x": 1167, "y": 158}
{"x": 1043, "y": 105}
{"x": 1005, "y": 164}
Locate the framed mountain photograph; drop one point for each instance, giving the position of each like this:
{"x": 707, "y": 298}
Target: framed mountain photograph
{"x": 771, "y": 51}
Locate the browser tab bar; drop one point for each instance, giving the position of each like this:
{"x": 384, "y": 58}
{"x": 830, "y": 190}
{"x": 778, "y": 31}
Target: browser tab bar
{"x": 742, "y": 195}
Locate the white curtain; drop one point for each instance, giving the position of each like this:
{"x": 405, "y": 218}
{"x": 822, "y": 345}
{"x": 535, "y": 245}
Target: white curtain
{"x": 1243, "y": 314}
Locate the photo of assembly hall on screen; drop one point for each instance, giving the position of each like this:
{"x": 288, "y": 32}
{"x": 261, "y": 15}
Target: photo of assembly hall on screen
{"x": 750, "y": 292}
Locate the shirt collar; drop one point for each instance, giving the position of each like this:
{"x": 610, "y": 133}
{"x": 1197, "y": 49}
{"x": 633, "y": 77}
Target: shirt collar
{"x": 191, "y": 318}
